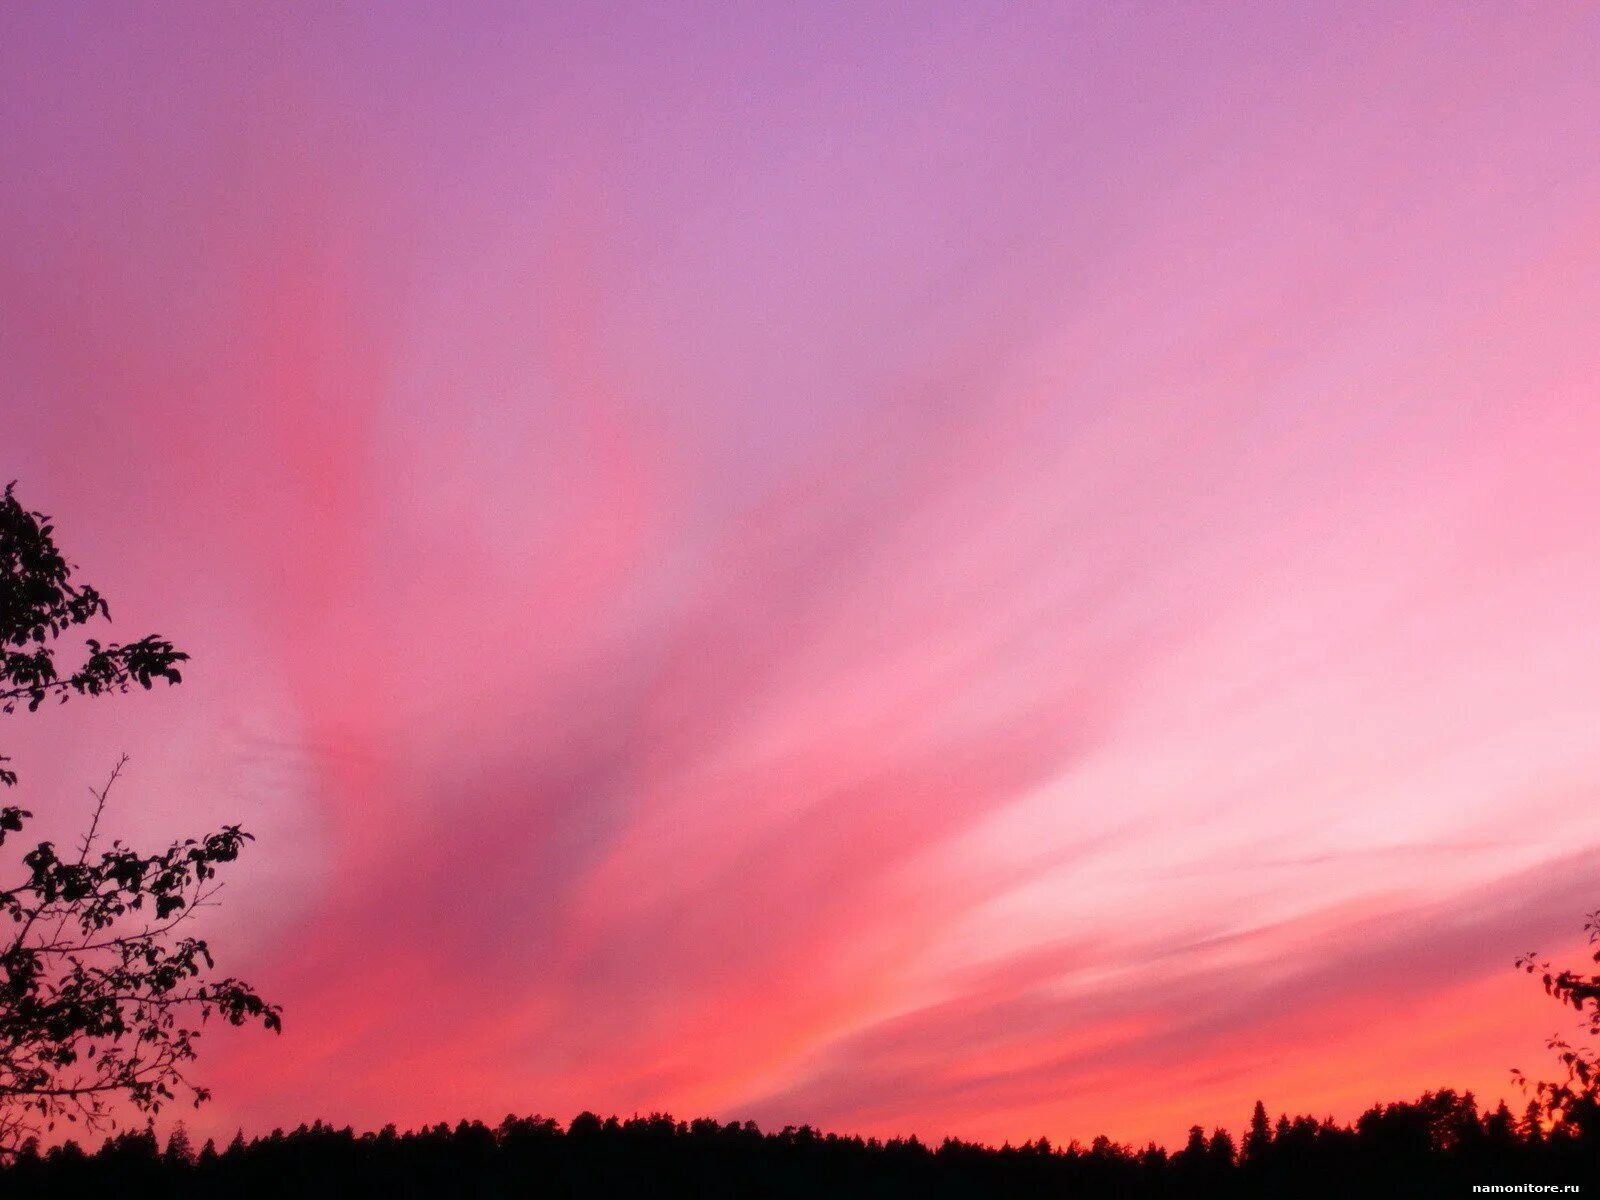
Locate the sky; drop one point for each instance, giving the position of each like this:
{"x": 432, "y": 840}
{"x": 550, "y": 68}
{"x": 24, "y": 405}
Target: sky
{"x": 974, "y": 569}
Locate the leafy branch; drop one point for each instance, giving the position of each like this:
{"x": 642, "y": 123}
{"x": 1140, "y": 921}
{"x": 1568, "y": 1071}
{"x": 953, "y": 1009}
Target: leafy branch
{"x": 97, "y": 999}
{"x": 1576, "y": 1096}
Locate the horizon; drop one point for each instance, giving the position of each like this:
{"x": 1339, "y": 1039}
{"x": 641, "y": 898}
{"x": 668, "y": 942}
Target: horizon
{"x": 902, "y": 573}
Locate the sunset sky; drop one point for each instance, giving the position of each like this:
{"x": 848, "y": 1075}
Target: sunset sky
{"x": 981, "y": 569}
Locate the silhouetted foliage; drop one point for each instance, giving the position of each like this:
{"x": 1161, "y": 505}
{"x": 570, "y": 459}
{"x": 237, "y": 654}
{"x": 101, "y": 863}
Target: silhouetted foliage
{"x": 39, "y": 602}
{"x": 1574, "y": 1098}
{"x": 101, "y": 997}
{"x": 1438, "y": 1145}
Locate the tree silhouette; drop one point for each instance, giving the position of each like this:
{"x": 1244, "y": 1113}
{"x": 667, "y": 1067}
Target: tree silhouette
{"x": 1259, "y": 1137}
{"x": 38, "y": 603}
{"x": 101, "y": 993}
{"x": 1575, "y": 1098}
{"x": 1436, "y": 1146}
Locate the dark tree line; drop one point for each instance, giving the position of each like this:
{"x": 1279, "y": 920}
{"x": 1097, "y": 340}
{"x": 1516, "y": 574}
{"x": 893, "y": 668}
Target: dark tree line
{"x": 1437, "y": 1145}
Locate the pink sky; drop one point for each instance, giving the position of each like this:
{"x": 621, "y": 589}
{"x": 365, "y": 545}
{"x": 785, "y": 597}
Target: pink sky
{"x": 992, "y": 570}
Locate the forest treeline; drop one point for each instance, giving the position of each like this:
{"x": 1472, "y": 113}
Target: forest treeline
{"x": 1438, "y": 1145}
